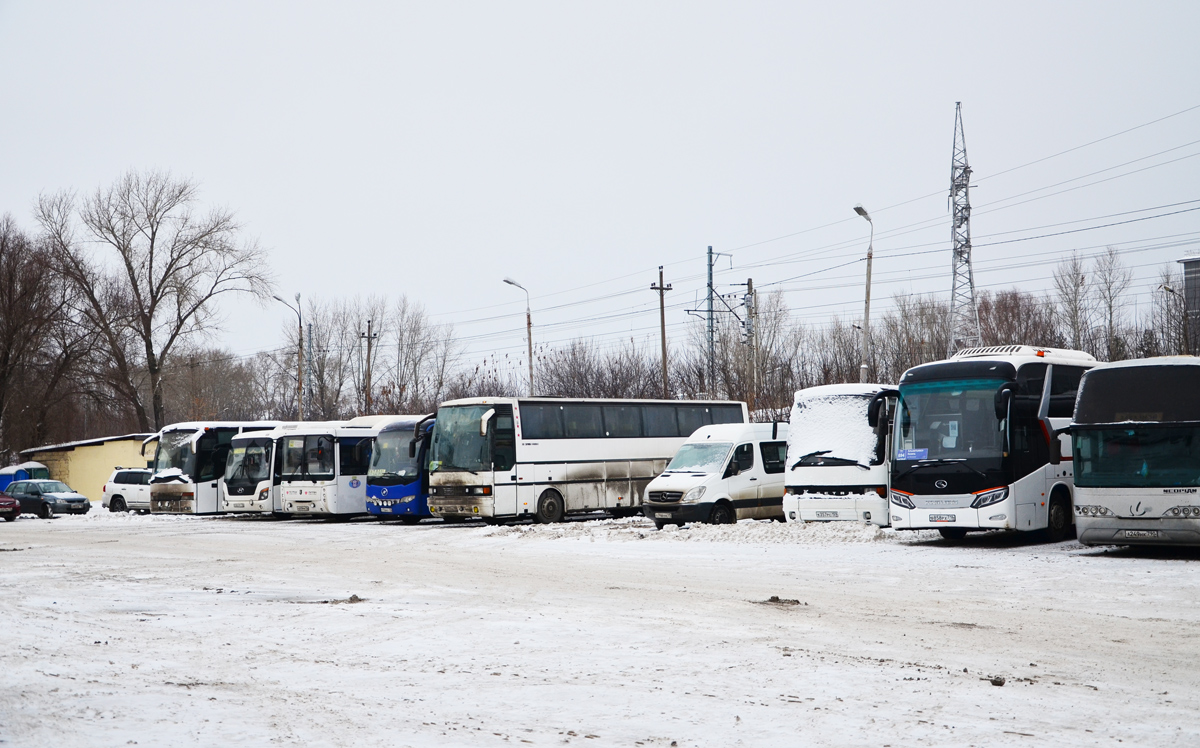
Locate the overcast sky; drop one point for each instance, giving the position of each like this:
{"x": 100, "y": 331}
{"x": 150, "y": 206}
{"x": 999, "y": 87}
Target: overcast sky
{"x": 432, "y": 149}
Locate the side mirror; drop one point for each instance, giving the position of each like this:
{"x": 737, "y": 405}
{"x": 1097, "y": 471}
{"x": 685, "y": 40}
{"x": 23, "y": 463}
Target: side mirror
{"x": 1003, "y": 396}
{"x": 483, "y": 421}
{"x": 877, "y": 402}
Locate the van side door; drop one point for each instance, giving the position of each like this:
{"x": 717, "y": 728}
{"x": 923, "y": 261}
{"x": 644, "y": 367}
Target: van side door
{"x": 742, "y": 477}
{"x": 770, "y": 488}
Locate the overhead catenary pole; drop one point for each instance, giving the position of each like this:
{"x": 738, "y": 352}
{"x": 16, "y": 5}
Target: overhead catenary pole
{"x": 863, "y": 370}
{"x": 751, "y": 303}
{"x": 308, "y": 368}
{"x": 370, "y": 337}
{"x": 964, "y": 315}
{"x": 712, "y": 361}
{"x": 662, "y": 322}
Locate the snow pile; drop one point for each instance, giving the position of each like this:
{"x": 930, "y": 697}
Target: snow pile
{"x": 746, "y": 532}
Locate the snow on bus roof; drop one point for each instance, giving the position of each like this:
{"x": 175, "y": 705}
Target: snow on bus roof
{"x": 1153, "y": 361}
{"x": 830, "y": 390}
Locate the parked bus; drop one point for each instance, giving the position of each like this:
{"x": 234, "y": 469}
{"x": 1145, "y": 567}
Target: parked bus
{"x": 974, "y": 446}
{"x": 1136, "y": 444}
{"x": 189, "y": 462}
{"x": 398, "y": 479}
{"x": 247, "y": 485}
{"x": 545, "y": 458}
{"x": 837, "y": 463}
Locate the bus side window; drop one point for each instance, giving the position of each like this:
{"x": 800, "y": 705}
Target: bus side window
{"x": 1064, "y": 385}
{"x": 205, "y": 446}
{"x": 504, "y": 452}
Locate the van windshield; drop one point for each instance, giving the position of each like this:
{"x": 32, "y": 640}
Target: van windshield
{"x": 701, "y": 457}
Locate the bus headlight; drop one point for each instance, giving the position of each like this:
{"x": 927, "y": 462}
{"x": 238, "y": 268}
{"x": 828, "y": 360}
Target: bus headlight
{"x": 987, "y": 498}
{"x": 902, "y": 499}
{"x": 694, "y": 495}
{"x": 262, "y": 495}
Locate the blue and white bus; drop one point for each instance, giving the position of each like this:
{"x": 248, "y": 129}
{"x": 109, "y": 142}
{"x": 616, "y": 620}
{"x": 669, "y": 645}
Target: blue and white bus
{"x": 398, "y": 479}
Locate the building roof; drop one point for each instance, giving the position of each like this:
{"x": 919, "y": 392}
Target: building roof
{"x": 68, "y": 446}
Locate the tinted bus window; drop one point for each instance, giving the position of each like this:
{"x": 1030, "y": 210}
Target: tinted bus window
{"x": 622, "y": 421}
{"x": 726, "y": 414}
{"x": 692, "y": 417}
{"x": 541, "y": 421}
{"x": 583, "y": 421}
{"x": 354, "y": 456}
{"x": 659, "y": 420}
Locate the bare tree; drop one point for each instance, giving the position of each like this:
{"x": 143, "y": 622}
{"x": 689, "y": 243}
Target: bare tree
{"x": 1074, "y": 301}
{"x": 1112, "y": 281}
{"x": 1016, "y": 317}
{"x": 167, "y": 266}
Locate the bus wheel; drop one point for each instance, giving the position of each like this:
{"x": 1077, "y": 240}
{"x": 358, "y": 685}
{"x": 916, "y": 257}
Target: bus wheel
{"x": 117, "y": 505}
{"x": 722, "y": 514}
{"x": 1058, "y": 519}
{"x": 952, "y": 533}
{"x": 409, "y": 519}
{"x": 549, "y": 508}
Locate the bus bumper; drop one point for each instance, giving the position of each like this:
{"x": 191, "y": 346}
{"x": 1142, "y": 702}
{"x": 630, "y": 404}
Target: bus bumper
{"x": 1127, "y": 531}
{"x": 1001, "y": 516}
{"x": 872, "y": 509}
{"x": 169, "y": 499}
{"x": 409, "y": 506}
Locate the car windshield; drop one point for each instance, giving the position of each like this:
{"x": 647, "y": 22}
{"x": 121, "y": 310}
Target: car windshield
{"x": 390, "y": 463}
{"x": 457, "y": 443}
{"x": 175, "y": 451}
{"x": 54, "y": 486}
{"x": 948, "y": 420}
{"x": 1140, "y": 457}
{"x": 701, "y": 457}
{"x": 249, "y": 462}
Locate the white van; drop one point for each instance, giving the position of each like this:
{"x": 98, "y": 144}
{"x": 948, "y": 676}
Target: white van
{"x": 721, "y": 474}
{"x": 837, "y": 463}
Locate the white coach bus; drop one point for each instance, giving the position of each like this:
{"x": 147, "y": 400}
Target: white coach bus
{"x": 837, "y": 462}
{"x": 1136, "y": 440}
{"x": 548, "y": 457}
{"x": 312, "y": 468}
{"x": 974, "y": 445}
{"x": 189, "y": 463}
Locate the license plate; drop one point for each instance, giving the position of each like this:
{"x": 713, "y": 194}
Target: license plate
{"x": 827, "y": 515}
{"x": 942, "y": 518}
{"x": 662, "y": 515}
{"x": 1141, "y": 533}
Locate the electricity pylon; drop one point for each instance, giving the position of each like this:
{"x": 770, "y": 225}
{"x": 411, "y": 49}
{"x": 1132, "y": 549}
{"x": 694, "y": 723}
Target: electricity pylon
{"x": 964, "y": 315}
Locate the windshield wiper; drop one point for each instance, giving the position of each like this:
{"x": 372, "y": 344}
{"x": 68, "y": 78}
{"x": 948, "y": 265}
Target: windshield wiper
{"x": 847, "y": 460}
{"x": 942, "y": 461}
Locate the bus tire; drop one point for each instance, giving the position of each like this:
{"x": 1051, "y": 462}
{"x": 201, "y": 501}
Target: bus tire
{"x": 953, "y": 533}
{"x": 722, "y": 514}
{"x": 117, "y": 504}
{"x": 1058, "y": 518}
{"x": 549, "y": 507}
{"x": 409, "y": 519}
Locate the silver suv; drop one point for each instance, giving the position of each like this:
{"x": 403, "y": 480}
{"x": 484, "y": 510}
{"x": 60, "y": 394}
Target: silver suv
{"x": 128, "y": 489}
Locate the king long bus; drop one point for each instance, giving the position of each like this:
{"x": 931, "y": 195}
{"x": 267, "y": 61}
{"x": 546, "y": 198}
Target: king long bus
{"x": 545, "y": 458}
{"x": 189, "y": 462}
{"x": 1136, "y": 443}
{"x": 398, "y": 479}
{"x": 974, "y": 445}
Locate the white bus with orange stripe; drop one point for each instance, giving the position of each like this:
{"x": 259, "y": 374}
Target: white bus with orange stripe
{"x": 973, "y": 445}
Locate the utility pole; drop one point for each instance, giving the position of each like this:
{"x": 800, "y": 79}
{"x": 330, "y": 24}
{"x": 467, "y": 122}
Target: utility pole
{"x": 750, "y": 300}
{"x": 866, "y": 329}
{"x": 662, "y": 322}
{"x": 299, "y": 355}
{"x": 308, "y": 370}
{"x": 712, "y": 363}
{"x": 964, "y": 315}
{"x": 370, "y": 337}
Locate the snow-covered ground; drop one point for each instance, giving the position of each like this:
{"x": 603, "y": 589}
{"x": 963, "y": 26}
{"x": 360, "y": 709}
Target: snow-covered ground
{"x": 128, "y": 630}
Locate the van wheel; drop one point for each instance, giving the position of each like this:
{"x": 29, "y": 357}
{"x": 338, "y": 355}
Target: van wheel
{"x": 722, "y": 514}
{"x": 549, "y": 508}
{"x": 45, "y": 511}
{"x": 952, "y": 533}
{"x": 117, "y": 505}
{"x": 1058, "y": 519}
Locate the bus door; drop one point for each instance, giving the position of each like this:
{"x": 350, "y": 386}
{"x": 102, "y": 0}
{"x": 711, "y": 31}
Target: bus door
{"x": 354, "y": 458}
{"x": 504, "y": 459}
{"x": 277, "y": 475}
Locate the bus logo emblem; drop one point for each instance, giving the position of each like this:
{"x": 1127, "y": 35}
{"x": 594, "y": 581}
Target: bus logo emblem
{"x": 1138, "y": 511}
{"x": 383, "y": 491}
{"x": 355, "y": 483}
{"x": 941, "y": 484}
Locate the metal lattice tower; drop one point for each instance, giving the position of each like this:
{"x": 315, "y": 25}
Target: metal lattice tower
{"x": 964, "y": 315}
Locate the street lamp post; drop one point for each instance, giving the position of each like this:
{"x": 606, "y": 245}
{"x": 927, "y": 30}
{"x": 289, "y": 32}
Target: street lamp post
{"x": 299, "y": 356}
{"x": 866, "y": 355}
{"x": 1187, "y": 340}
{"x": 528, "y": 329}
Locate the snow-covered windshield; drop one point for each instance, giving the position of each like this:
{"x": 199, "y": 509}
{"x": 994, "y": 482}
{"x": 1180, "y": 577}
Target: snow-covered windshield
{"x": 249, "y": 462}
{"x": 390, "y": 463}
{"x": 700, "y": 457}
{"x": 175, "y": 451}
{"x": 831, "y": 431}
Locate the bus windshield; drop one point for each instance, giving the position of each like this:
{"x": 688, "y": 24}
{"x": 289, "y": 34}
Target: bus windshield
{"x": 390, "y": 463}
{"x": 949, "y": 420}
{"x": 701, "y": 457}
{"x": 249, "y": 462}
{"x": 833, "y": 431}
{"x": 457, "y": 443}
{"x": 175, "y": 451}
{"x": 1139, "y": 457}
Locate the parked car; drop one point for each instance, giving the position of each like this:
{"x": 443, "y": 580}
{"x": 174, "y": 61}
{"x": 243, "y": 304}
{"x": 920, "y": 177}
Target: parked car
{"x": 45, "y": 498}
{"x": 721, "y": 474}
{"x": 10, "y": 508}
{"x": 128, "y": 489}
